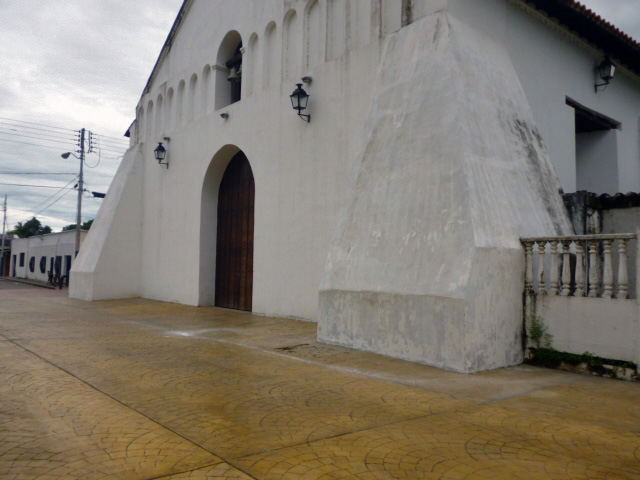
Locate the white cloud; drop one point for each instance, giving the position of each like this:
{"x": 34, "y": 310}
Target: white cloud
{"x": 71, "y": 64}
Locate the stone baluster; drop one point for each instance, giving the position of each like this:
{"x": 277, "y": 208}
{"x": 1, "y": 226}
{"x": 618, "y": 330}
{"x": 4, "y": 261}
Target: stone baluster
{"x": 607, "y": 272}
{"x": 579, "y": 269}
{"x": 542, "y": 282}
{"x": 593, "y": 268}
{"x": 553, "y": 275}
{"x": 623, "y": 276}
{"x": 528, "y": 258}
{"x": 566, "y": 268}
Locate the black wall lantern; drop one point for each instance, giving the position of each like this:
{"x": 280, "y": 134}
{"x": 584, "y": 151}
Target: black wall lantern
{"x": 160, "y": 153}
{"x": 606, "y": 70}
{"x": 299, "y": 101}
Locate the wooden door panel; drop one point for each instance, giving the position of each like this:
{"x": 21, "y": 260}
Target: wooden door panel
{"x": 234, "y": 251}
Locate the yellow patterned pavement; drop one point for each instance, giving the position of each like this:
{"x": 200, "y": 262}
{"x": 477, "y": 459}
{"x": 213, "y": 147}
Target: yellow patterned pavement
{"x": 137, "y": 389}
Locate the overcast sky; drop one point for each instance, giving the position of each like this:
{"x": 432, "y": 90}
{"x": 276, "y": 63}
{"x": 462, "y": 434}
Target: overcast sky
{"x": 72, "y": 64}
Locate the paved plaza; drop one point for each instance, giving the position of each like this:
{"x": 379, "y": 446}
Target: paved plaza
{"x": 138, "y": 389}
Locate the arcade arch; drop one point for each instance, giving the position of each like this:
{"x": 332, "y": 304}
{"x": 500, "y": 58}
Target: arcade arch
{"x": 226, "y": 231}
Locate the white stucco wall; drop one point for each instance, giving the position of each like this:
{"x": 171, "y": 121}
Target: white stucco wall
{"x": 49, "y": 246}
{"x": 108, "y": 264}
{"x": 607, "y": 328}
{"x": 300, "y": 175}
{"x": 156, "y": 235}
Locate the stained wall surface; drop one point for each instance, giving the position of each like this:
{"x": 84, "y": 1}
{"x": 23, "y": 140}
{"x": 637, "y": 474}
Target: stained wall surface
{"x": 426, "y": 262}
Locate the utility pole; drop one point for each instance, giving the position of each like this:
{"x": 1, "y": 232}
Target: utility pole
{"x": 80, "y": 191}
{"x": 4, "y": 225}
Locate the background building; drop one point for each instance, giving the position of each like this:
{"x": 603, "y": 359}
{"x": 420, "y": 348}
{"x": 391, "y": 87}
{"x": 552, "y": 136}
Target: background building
{"x": 34, "y": 257}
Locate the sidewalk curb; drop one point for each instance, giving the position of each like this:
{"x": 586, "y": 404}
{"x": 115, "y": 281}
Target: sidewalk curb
{"x": 27, "y": 282}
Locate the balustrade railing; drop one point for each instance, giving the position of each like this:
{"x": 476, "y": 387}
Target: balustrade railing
{"x": 578, "y": 265}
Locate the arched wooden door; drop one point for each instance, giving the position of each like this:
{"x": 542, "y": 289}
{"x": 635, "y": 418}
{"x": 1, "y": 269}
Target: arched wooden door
{"x": 234, "y": 246}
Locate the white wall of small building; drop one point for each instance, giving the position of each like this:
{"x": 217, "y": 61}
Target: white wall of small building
{"x": 554, "y": 65}
{"x": 48, "y": 246}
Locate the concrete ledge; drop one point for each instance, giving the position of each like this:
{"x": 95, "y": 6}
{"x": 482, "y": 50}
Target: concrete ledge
{"x": 419, "y": 328}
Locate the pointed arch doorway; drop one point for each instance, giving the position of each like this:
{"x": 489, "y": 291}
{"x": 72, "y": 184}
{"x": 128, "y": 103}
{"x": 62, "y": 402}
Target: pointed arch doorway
{"x": 234, "y": 245}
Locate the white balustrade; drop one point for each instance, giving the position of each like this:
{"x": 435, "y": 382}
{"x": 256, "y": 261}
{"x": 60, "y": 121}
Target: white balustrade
{"x": 623, "y": 276}
{"x": 555, "y": 276}
{"x": 542, "y": 281}
{"x": 566, "y": 268}
{"x": 593, "y": 269}
{"x": 579, "y": 269}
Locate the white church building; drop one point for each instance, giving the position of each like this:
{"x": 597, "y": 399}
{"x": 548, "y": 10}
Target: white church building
{"x": 440, "y": 132}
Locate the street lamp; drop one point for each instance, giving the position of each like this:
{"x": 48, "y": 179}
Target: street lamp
{"x": 606, "y": 70}
{"x": 299, "y": 101}
{"x": 160, "y": 153}
{"x": 80, "y": 189}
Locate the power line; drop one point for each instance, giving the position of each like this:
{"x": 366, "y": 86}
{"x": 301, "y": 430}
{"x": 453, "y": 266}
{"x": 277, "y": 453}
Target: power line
{"x": 39, "y": 124}
{"x": 37, "y": 173}
{"x": 112, "y": 146}
{"x": 54, "y": 136}
{"x": 27, "y": 128}
{"x": 109, "y": 148}
{"x": 42, "y": 137}
{"x": 56, "y": 193}
{"x": 32, "y": 144}
{"x": 114, "y": 138}
{"x": 110, "y": 140}
{"x": 28, "y": 185}
{"x": 52, "y": 203}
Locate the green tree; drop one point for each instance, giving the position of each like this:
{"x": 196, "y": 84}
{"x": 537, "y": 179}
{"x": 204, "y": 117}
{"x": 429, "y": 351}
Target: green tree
{"x": 85, "y": 226}
{"x": 30, "y": 228}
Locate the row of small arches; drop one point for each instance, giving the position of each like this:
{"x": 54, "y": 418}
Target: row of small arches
{"x": 210, "y": 89}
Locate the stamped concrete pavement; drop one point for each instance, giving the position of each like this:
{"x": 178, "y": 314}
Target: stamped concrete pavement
{"x": 137, "y": 389}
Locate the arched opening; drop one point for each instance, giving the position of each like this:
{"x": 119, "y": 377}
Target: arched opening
{"x": 229, "y": 70}
{"x": 192, "y": 105}
{"x": 205, "y": 96}
{"x": 291, "y": 46}
{"x": 336, "y": 28}
{"x": 168, "y": 118}
{"x": 252, "y": 66}
{"x": 159, "y": 114}
{"x": 226, "y": 232}
{"x": 140, "y": 124}
{"x": 313, "y": 32}
{"x": 150, "y": 119}
{"x": 234, "y": 245}
{"x": 270, "y": 56}
{"x": 180, "y": 103}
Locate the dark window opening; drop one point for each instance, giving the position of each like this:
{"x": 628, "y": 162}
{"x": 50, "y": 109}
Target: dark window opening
{"x": 22, "y": 259}
{"x": 229, "y": 72}
{"x": 596, "y": 140}
{"x": 67, "y": 268}
{"x": 32, "y": 264}
{"x": 58, "y": 266}
{"x": 43, "y": 264}
{"x": 234, "y": 64}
